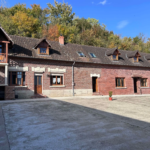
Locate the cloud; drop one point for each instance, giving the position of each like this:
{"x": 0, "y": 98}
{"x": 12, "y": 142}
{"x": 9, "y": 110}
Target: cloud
{"x": 92, "y": 2}
{"x": 103, "y": 2}
{"x": 122, "y": 24}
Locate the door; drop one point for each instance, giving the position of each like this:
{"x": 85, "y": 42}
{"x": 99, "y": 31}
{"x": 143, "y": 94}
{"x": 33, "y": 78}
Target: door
{"x": 135, "y": 84}
{"x": 95, "y": 84}
{"x": 2, "y": 92}
{"x": 38, "y": 84}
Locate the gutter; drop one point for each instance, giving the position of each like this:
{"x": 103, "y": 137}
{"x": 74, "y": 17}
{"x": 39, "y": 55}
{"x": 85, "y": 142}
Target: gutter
{"x": 73, "y": 78}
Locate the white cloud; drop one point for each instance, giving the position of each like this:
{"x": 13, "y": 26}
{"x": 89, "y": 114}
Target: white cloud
{"x": 122, "y": 24}
{"x": 103, "y": 2}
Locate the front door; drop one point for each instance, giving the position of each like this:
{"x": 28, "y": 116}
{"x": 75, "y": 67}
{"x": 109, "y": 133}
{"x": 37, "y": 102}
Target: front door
{"x": 38, "y": 84}
{"x": 135, "y": 84}
{"x": 95, "y": 84}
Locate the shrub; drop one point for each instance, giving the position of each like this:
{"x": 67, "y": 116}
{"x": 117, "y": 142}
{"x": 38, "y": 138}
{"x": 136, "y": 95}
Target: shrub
{"x": 110, "y": 93}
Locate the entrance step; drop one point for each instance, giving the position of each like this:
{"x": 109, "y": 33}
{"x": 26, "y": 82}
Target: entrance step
{"x": 96, "y": 93}
{"x": 38, "y": 96}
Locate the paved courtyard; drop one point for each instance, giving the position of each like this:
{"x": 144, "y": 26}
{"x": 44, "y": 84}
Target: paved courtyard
{"x": 75, "y": 124}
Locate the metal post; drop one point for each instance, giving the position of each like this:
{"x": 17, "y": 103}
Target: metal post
{"x": 73, "y": 78}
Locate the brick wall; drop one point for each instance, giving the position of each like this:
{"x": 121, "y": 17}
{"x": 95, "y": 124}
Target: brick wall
{"x": 108, "y": 75}
{"x": 82, "y": 77}
{"x": 2, "y": 75}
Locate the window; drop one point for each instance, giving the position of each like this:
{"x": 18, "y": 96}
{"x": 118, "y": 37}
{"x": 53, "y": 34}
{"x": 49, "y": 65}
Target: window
{"x": 56, "y": 80}
{"x": 17, "y": 78}
{"x": 136, "y": 59}
{"x": 144, "y": 82}
{"x": 119, "y": 82}
{"x": 1, "y": 48}
{"x": 114, "y": 57}
{"x": 81, "y": 54}
{"x": 92, "y": 55}
{"x": 43, "y": 50}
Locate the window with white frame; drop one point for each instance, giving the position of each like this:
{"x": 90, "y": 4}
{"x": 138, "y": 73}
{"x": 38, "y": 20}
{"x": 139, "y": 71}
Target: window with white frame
{"x": 56, "y": 79}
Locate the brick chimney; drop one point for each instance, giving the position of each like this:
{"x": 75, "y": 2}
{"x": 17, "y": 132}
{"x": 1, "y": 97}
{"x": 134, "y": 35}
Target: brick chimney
{"x": 61, "y": 40}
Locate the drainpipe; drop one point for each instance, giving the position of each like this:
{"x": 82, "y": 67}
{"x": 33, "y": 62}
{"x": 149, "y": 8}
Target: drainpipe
{"x": 73, "y": 78}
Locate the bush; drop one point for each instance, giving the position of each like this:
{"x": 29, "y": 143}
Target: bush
{"x": 110, "y": 93}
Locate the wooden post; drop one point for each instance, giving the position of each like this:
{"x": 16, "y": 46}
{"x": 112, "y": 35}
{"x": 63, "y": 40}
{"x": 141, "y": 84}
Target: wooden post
{"x": 6, "y": 52}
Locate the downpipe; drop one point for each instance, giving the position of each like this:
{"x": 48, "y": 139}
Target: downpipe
{"x": 73, "y": 78}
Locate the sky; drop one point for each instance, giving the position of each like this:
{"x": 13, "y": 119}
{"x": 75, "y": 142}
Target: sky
{"x": 123, "y": 17}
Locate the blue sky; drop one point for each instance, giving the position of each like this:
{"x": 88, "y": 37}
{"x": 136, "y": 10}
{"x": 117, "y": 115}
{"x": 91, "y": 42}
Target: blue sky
{"x": 124, "y": 17}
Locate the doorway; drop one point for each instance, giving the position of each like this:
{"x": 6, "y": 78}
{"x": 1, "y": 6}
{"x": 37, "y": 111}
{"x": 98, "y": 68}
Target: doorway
{"x": 2, "y": 92}
{"x": 135, "y": 84}
{"x": 38, "y": 84}
{"x": 95, "y": 84}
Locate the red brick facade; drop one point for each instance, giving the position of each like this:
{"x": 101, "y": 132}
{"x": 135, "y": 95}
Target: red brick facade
{"x": 82, "y": 77}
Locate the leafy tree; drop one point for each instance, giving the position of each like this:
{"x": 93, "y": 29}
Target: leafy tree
{"x": 52, "y": 33}
{"x": 25, "y": 25}
{"x": 60, "y": 13}
{"x": 93, "y": 21}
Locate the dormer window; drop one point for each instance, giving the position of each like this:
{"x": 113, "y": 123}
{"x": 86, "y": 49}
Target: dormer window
{"x": 134, "y": 56}
{"x": 43, "y": 50}
{"x": 81, "y": 54}
{"x": 136, "y": 59}
{"x": 92, "y": 55}
{"x": 115, "y": 57}
{"x": 113, "y": 54}
{"x": 42, "y": 47}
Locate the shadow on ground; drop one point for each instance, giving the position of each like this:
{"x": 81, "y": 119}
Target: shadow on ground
{"x": 60, "y": 125}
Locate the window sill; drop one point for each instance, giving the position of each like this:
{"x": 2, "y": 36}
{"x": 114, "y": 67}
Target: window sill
{"x": 144, "y": 87}
{"x": 121, "y": 87}
{"x": 57, "y": 86}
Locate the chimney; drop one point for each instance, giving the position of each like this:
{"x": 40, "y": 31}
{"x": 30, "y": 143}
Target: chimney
{"x": 61, "y": 40}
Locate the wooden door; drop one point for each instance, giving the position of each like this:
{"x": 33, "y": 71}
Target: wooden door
{"x": 38, "y": 84}
{"x": 96, "y": 86}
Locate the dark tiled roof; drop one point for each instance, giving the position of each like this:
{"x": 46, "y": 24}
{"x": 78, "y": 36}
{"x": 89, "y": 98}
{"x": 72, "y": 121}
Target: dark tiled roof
{"x": 132, "y": 54}
{"x": 24, "y": 47}
{"x": 7, "y": 36}
{"x": 111, "y": 51}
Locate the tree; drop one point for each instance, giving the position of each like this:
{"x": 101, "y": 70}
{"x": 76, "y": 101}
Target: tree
{"x": 60, "y": 13}
{"x": 52, "y": 33}
{"x": 93, "y": 21}
{"x": 25, "y": 25}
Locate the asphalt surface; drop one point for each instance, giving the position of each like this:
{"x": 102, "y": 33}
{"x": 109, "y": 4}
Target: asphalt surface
{"x": 75, "y": 124}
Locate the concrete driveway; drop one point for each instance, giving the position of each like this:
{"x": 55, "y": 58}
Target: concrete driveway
{"x": 76, "y": 123}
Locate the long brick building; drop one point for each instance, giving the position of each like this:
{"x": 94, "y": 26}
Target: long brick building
{"x": 31, "y": 67}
